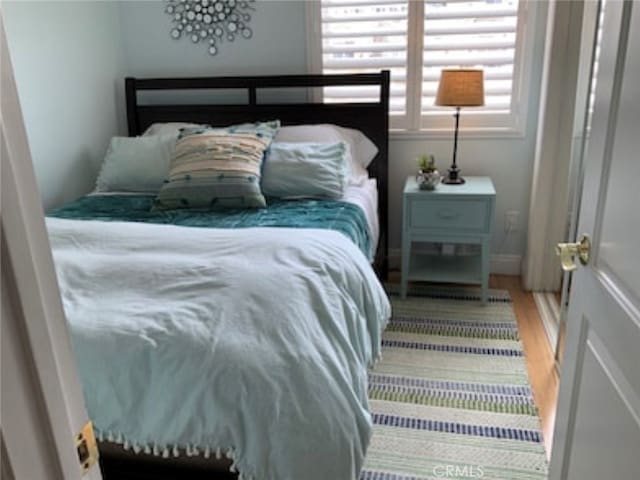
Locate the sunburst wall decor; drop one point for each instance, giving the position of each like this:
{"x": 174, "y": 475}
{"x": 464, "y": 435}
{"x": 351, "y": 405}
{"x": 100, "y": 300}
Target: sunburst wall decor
{"x": 210, "y": 22}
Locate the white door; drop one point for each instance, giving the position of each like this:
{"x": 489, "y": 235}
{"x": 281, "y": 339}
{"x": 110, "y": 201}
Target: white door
{"x": 597, "y": 434}
{"x": 42, "y": 407}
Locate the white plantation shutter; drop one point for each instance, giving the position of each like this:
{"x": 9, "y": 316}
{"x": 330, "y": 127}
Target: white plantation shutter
{"x": 361, "y": 36}
{"x": 471, "y": 34}
{"x": 415, "y": 41}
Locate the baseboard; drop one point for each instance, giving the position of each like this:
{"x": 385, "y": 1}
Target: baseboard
{"x": 549, "y": 314}
{"x": 501, "y": 264}
{"x": 505, "y": 264}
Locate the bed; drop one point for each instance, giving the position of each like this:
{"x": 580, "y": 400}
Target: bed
{"x": 243, "y": 345}
{"x": 371, "y": 118}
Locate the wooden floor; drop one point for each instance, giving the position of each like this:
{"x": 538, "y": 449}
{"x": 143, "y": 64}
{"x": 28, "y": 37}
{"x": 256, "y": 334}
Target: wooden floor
{"x": 539, "y": 356}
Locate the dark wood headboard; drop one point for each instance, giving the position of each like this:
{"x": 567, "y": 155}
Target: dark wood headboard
{"x": 371, "y": 118}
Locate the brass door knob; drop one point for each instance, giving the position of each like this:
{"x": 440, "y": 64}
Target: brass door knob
{"x": 569, "y": 251}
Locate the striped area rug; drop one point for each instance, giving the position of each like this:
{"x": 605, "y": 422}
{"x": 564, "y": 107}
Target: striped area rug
{"x": 450, "y": 397}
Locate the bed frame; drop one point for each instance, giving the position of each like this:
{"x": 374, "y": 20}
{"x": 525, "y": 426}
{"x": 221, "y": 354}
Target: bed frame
{"x": 371, "y": 118}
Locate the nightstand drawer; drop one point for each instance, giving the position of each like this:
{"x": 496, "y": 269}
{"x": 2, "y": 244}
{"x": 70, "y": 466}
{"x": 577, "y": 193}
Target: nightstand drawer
{"x": 459, "y": 214}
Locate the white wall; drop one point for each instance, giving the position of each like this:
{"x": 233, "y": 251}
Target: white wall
{"x": 279, "y": 46}
{"x": 508, "y": 161}
{"x": 69, "y": 67}
{"x": 80, "y": 59}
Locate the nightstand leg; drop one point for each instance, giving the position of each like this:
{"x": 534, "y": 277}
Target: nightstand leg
{"x": 485, "y": 271}
{"x": 406, "y": 254}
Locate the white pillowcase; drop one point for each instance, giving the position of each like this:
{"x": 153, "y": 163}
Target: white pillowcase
{"x": 170, "y": 128}
{"x": 136, "y": 164}
{"x": 362, "y": 150}
{"x": 317, "y": 170}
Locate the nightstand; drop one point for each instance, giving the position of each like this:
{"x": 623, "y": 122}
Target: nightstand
{"x": 449, "y": 215}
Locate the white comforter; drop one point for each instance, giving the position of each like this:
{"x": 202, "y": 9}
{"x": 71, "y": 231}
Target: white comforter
{"x": 253, "y": 342}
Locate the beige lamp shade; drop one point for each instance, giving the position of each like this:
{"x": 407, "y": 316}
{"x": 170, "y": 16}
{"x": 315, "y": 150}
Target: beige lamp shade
{"x": 461, "y": 88}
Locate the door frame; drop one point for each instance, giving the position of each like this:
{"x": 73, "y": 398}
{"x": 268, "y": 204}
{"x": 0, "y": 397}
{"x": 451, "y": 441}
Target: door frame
{"x": 582, "y": 27}
{"x": 34, "y": 314}
{"x": 550, "y": 194}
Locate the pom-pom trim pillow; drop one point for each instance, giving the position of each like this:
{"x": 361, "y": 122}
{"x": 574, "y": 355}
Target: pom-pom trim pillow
{"x": 217, "y": 168}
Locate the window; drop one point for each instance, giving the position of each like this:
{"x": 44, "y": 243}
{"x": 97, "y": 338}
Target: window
{"x": 415, "y": 40}
{"x": 366, "y": 37}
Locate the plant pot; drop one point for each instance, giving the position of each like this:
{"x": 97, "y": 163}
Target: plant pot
{"x": 428, "y": 180}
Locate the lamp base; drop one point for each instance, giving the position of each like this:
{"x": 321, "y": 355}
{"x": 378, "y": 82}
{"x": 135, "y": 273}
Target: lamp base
{"x": 453, "y": 177}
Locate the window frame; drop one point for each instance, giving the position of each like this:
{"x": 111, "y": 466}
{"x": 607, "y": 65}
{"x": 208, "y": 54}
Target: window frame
{"x": 415, "y": 125}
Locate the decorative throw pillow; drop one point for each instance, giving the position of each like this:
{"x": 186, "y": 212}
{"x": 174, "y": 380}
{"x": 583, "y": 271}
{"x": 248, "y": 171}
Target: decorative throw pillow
{"x": 361, "y": 150}
{"x": 136, "y": 164}
{"x": 318, "y": 170}
{"x": 217, "y": 168}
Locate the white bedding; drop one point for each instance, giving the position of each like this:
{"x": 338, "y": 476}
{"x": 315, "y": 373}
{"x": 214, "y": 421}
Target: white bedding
{"x": 253, "y": 342}
{"x": 366, "y": 197}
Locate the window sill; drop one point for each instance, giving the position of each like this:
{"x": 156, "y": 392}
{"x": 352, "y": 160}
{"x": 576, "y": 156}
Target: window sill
{"x": 447, "y": 134}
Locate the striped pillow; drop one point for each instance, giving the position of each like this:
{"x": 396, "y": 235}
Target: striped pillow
{"x": 217, "y": 168}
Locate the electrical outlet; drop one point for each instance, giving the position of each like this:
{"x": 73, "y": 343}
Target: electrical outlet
{"x": 511, "y": 218}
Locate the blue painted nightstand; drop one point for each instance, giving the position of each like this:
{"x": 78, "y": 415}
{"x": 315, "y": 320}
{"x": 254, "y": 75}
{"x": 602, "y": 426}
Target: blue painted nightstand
{"x": 450, "y": 214}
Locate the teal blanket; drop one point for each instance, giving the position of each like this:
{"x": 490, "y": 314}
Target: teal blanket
{"x": 343, "y": 217}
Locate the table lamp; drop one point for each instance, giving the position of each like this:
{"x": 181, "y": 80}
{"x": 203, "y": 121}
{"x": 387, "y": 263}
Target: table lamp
{"x": 459, "y": 88}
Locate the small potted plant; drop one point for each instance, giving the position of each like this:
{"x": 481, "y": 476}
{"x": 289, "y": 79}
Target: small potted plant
{"x": 428, "y": 176}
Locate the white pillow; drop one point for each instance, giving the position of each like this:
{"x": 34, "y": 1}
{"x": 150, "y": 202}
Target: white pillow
{"x": 136, "y": 164}
{"x": 317, "y": 170}
{"x": 362, "y": 150}
{"x": 170, "y": 128}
